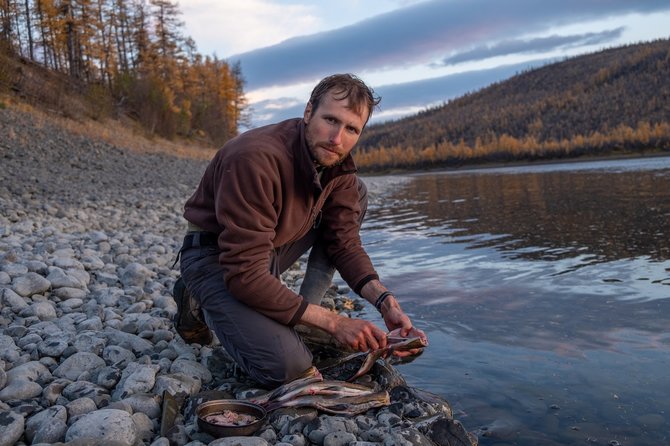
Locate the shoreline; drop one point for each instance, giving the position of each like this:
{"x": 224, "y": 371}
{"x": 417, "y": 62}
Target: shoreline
{"x": 88, "y": 236}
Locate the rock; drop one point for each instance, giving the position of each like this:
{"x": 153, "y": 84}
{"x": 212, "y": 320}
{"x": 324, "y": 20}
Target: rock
{"x": 44, "y": 311}
{"x": 339, "y": 439}
{"x": 191, "y": 368}
{"x": 29, "y": 284}
{"x": 25, "y": 381}
{"x": 177, "y": 383}
{"x": 51, "y": 433}
{"x": 80, "y": 389}
{"x": 239, "y": 441}
{"x": 118, "y": 356}
{"x": 11, "y": 426}
{"x": 102, "y": 425}
{"x": 65, "y": 293}
{"x": 80, "y": 406}
{"x": 143, "y": 426}
{"x": 79, "y": 363}
{"x": 135, "y": 274}
{"x": 5, "y": 279}
{"x": 10, "y": 299}
{"x": 90, "y": 343}
{"x": 9, "y": 352}
{"x": 127, "y": 340}
{"x": 60, "y": 279}
{"x": 40, "y": 420}
{"x": 318, "y": 428}
{"x": 147, "y": 403}
{"x": 136, "y": 378}
{"x": 53, "y": 346}
{"x": 14, "y": 269}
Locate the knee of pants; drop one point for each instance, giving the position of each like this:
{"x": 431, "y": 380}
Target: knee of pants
{"x": 285, "y": 370}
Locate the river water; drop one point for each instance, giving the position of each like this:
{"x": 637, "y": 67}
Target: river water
{"x": 545, "y": 294}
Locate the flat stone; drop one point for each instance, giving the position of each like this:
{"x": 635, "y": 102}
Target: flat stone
{"x": 20, "y": 390}
{"x": 51, "y": 433}
{"x": 29, "y": 371}
{"x": 5, "y": 279}
{"x": 239, "y": 441}
{"x": 9, "y": 352}
{"x": 12, "y": 425}
{"x": 339, "y": 439}
{"x": 136, "y": 378}
{"x": 177, "y": 383}
{"x": 127, "y": 340}
{"x": 11, "y": 299}
{"x": 66, "y": 293}
{"x": 53, "y": 347}
{"x": 191, "y": 368}
{"x": 14, "y": 269}
{"x": 135, "y": 274}
{"x": 61, "y": 279}
{"x": 42, "y": 418}
{"x": 45, "y": 311}
{"x": 82, "y": 389}
{"x": 79, "y": 363}
{"x": 29, "y": 284}
{"x": 80, "y": 406}
{"x": 147, "y": 403}
{"x": 102, "y": 425}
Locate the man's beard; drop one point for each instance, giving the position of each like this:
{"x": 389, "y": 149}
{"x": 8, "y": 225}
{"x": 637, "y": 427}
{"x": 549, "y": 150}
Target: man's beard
{"x": 318, "y": 162}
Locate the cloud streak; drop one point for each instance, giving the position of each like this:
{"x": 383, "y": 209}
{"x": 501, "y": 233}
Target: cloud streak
{"x": 533, "y": 46}
{"x": 420, "y": 34}
{"x": 398, "y": 98}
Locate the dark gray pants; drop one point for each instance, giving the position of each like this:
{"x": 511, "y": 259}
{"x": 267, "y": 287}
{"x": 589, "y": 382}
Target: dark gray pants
{"x": 270, "y": 352}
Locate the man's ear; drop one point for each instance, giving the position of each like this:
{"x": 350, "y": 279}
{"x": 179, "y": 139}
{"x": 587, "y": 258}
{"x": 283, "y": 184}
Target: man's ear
{"x": 308, "y": 113}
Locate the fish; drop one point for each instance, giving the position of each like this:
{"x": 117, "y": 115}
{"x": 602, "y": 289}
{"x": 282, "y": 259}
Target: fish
{"x": 342, "y": 405}
{"x": 395, "y": 343}
{"x": 331, "y": 396}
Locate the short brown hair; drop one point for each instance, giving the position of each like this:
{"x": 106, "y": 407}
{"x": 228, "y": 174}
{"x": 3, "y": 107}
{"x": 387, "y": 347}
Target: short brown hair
{"x": 345, "y": 86}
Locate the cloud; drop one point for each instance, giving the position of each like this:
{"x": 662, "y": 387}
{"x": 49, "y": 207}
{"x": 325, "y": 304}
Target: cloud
{"x": 405, "y": 98}
{"x": 248, "y": 24}
{"x": 420, "y": 34}
{"x": 530, "y": 46}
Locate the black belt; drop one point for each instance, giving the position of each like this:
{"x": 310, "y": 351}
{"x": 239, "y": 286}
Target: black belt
{"x": 197, "y": 239}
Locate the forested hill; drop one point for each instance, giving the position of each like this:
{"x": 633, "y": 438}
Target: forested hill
{"x": 614, "y": 100}
{"x": 118, "y": 59}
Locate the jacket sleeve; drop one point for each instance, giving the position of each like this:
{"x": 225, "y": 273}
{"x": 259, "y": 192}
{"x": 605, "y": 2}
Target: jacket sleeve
{"x": 246, "y": 200}
{"x": 341, "y": 232}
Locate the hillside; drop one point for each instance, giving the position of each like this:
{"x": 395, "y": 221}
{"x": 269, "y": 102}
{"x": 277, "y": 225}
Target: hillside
{"x": 613, "y": 100}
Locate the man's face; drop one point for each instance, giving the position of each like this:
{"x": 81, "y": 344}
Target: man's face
{"x": 332, "y": 130}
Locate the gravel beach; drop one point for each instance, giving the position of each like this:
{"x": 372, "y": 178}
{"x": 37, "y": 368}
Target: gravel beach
{"x": 88, "y": 237}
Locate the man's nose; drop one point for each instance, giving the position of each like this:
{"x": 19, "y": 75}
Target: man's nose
{"x": 336, "y": 136}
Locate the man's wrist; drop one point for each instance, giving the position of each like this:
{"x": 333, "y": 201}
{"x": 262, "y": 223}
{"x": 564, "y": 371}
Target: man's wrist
{"x": 381, "y": 299}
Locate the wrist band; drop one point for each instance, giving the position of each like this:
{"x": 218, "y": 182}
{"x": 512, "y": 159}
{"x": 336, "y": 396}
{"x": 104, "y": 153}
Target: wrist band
{"x": 380, "y": 300}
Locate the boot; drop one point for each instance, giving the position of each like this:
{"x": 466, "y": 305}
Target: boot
{"x": 189, "y": 320}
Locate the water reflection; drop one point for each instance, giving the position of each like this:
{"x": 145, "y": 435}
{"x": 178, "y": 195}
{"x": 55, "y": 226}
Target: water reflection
{"x": 549, "y": 216}
{"x": 545, "y": 293}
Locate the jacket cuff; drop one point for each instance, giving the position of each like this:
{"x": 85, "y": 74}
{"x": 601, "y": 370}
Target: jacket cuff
{"x": 361, "y": 283}
{"x": 299, "y": 312}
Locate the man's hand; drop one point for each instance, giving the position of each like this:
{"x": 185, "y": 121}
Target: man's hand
{"x": 357, "y": 334}
{"x": 396, "y": 319}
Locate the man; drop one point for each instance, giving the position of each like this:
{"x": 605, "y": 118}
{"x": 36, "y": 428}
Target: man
{"x": 268, "y": 196}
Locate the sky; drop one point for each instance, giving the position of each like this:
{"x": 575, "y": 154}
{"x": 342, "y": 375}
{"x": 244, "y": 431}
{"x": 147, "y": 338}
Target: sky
{"x": 415, "y": 54}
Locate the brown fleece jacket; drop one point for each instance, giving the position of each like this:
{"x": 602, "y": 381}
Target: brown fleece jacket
{"x": 261, "y": 191}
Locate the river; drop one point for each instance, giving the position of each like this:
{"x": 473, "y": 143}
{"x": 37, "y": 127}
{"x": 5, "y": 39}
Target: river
{"x": 545, "y": 294}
